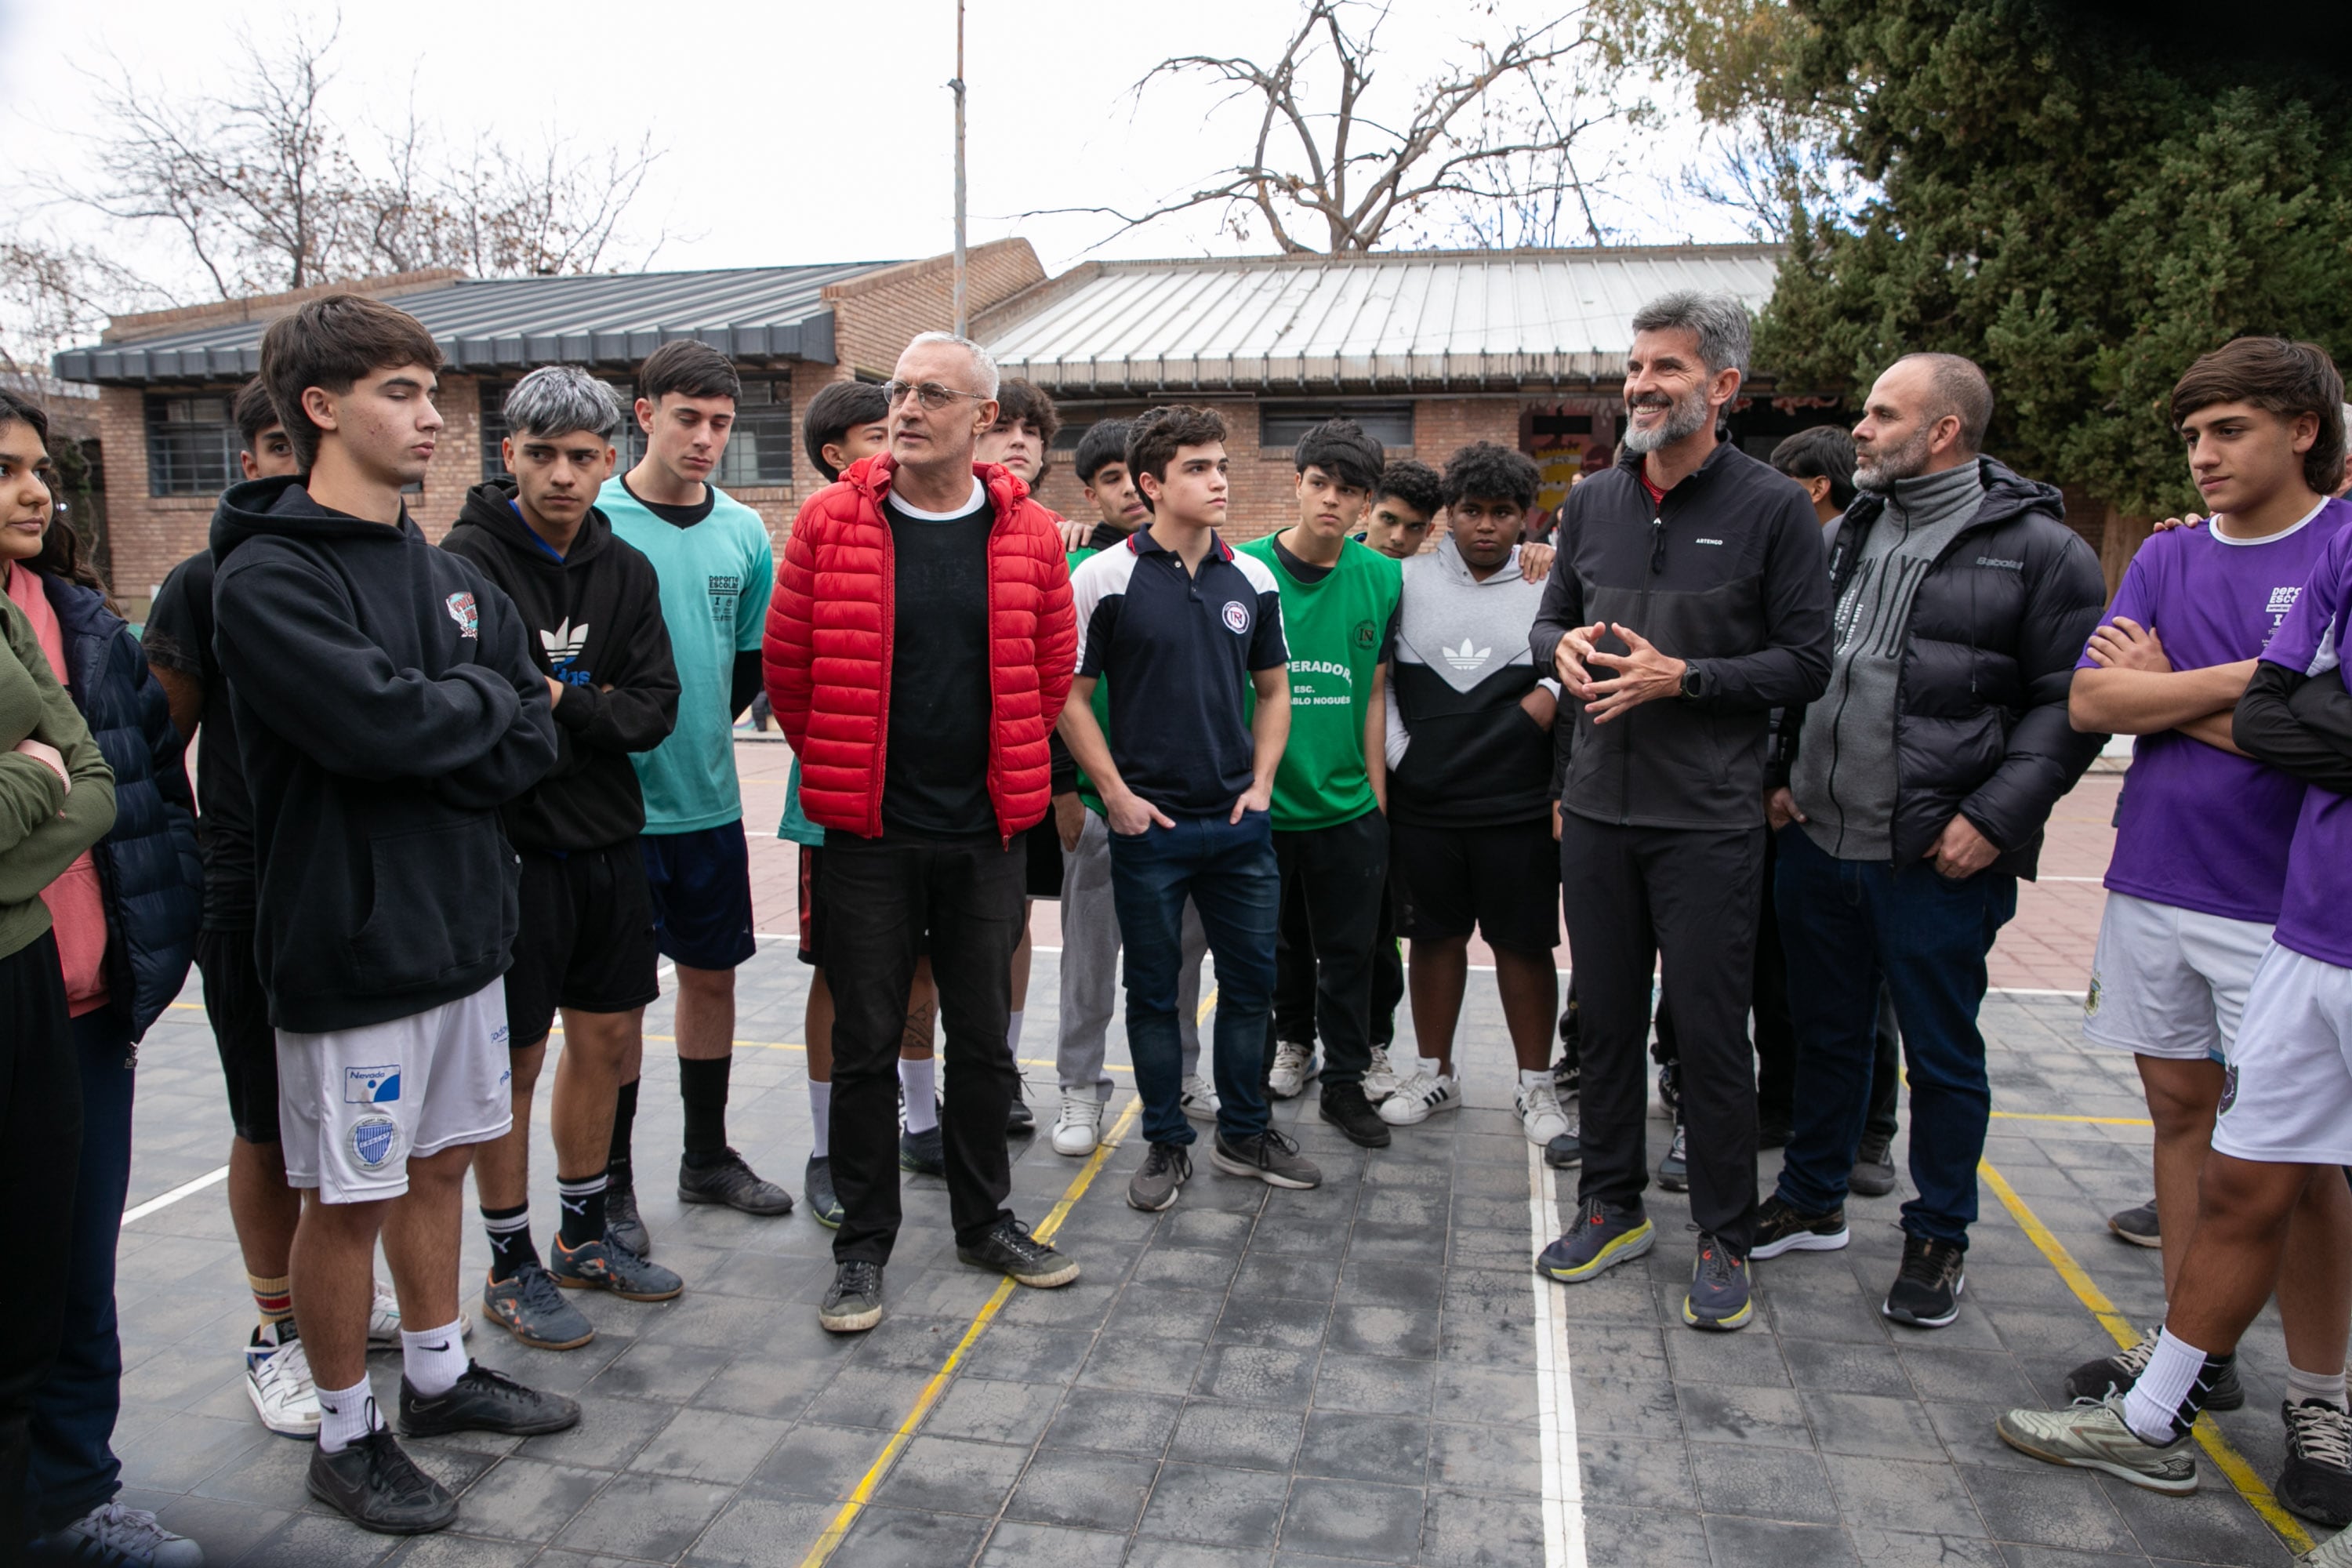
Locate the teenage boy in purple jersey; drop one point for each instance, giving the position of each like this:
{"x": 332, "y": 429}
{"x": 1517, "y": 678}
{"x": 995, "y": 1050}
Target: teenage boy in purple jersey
{"x": 2285, "y": 1098}
{"x": 2183, "y": 933}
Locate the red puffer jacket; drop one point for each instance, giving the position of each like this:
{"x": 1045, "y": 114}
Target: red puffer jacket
{"x": 827, "y": 652}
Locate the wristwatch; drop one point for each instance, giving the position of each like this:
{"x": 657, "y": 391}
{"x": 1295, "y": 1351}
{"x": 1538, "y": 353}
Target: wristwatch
{"x": 1693, "y": 683}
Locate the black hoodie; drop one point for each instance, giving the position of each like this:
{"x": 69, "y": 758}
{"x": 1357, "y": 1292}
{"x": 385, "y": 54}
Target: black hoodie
{"x": 594, "y": 623}
{"x": 387, "y": 706}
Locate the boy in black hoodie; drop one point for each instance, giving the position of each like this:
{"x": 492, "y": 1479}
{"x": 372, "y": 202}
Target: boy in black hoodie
{"x": 586, "y": 939}
{"x": 387, "y": 706}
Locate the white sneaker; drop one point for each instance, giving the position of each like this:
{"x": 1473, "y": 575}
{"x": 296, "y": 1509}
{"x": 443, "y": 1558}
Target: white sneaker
{"x": 383, "y": 1320}
{"x": 134, "y": 1534}
{"x": 1419, "y": 1098}
{"x": 277, "y": 1381}
{"x": 1200, "y": 1100}
{"x": 1540, "y": 1116}
{"x": 1294, "y": 1063}
{"x": 1380, "y": 1079}
{"x": 1079, "y": 1126}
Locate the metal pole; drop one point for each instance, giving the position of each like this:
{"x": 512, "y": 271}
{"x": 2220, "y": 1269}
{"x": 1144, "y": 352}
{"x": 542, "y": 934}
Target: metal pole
{"x": 960, "y": 321}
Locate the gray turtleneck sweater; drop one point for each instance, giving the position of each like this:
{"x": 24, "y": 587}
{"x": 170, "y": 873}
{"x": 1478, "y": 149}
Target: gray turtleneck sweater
{"x": 1844, "y": 779}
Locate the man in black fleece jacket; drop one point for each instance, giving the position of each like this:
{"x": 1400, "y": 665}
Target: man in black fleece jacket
{"x": 386, "y": 707}
{"x": 1687, "y": 602}
{"x": 586, "y": 939}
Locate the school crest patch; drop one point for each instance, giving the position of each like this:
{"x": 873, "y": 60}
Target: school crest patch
{"x": 375, "y": 1139}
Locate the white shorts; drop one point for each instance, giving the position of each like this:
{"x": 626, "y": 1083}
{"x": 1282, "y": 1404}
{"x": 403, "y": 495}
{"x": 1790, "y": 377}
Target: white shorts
{"x": 2169, "y": 982}
{"x": 354, "y": 1105}
{"x": 2287, "y": 1098}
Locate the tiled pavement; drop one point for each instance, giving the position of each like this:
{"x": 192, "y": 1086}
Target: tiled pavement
{"x": 1339, "y": 1376}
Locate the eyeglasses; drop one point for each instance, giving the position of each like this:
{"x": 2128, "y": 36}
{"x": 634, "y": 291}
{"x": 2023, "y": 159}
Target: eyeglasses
{"x": 930, "y": 393}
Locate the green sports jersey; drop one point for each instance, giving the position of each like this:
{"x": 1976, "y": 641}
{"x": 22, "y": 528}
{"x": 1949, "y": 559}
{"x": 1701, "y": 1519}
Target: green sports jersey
{"x": 1338, "y": 628}
{"x": 1087, "y": 794}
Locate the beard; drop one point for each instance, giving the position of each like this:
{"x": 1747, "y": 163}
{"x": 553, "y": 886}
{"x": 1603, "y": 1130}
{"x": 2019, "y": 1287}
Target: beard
{"x": 1687, "y": 415}
{"x": 1882, "y": 469}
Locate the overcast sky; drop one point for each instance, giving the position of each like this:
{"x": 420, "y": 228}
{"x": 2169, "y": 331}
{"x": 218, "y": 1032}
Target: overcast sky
{"x": 795, "y": 131}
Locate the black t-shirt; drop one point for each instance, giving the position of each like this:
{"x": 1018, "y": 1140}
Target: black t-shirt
{"x": 935, "y": 777}
{"x": 1304, "y": 571}
{"x": 676, "y": 516}
{"x": 179, "y": 637}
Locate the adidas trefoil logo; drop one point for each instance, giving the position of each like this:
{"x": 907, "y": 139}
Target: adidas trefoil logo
{"x": 1465, "y": 657}
{"x": 565, "y": 642}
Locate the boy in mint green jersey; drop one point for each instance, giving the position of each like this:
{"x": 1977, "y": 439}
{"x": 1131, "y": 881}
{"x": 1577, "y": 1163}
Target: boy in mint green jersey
{"x": 1330, "y": 827}
{"x": 717, "y": 569}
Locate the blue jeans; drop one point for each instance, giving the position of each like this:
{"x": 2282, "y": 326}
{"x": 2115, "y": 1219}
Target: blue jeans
{"x": 1227, "y": 869}
{"x": 74, "y": 1468}
{"x": 1846, "y": 925}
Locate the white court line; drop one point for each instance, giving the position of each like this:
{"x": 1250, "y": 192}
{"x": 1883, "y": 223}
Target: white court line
{"x": 183, "y": 1190}
{"x": 1563, "y": 1473}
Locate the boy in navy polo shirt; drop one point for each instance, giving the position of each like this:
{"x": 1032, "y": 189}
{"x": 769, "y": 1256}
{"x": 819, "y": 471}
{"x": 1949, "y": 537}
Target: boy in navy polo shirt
{"x": 1180, "y": 624}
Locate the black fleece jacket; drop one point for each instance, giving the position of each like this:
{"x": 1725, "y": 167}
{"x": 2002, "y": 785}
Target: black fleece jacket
{"x": 386, "y": 707}
{"x": 594, "y": 622}
{"x": 1726, "y": 573}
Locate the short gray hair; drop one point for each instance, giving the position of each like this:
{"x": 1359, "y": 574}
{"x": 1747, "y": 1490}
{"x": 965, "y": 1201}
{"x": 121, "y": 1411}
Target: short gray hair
{"x": 981, "y": 359}
{"x": 1719, "y": 322}
{"x": 557, "y": 399}
{"x": 1962, "y": 389}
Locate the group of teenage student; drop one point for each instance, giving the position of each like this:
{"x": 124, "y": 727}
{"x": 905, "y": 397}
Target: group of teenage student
{"x": 450, "y": 793}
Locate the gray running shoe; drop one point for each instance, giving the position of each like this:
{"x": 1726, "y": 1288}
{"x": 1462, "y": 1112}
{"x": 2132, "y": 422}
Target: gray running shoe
{"x": 1674, "y": 1171}
{"x": 2316, "y": 1483}
{"x": 2136, "y": 1225}
{"x": 853, "y": 1304}
{"x": 2094, "y": 1438}
{"x": 530, "y": 1307}
{"x": 1602, "y": 1235}
{"x": 1166, "y": 1168}
{"x": 1268, "y": 1156}
{"x": 604, "y": 1266}
{"x": 2094, "y": 1380}
{"x": 1719, "y": 1297}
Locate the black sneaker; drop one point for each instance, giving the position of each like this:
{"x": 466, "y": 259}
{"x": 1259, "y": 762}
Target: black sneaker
{"x": 2136, "y": 1225}
{"x": 923, "y": 1153}
{"x": 377, "y": 1486}
{"x": 1927, "y": 1293}
{"x": 1565, "y": 1152}
{"x": 1165, "y": 1170}
{"x": 1781, "y": 1229}
{"x": 1873, "y": 1168}
{"x": 1019, "y": 1120}
{"x": 622, "y": 1221}
{"x": 2115, "y": 1374}
{"x": 824, "y": 1202}
{"x": 1345, "y": 1108}
{"x": 1772, "y": 1133}
{"x": 853, "y": 1303}
{"x": 729, "y": 1180}
{"x": 1009, "y": 1249}
{"x": 1268, "y": 1156}
{"x": 2316, "y": 1483}
{"x": 1670, "y": 1091}
{"x": 484, "y": 1401}
{"x": 1674, "y": 1171}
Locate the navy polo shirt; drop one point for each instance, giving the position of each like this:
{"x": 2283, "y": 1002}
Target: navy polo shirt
{"x": 1178, "y": 649}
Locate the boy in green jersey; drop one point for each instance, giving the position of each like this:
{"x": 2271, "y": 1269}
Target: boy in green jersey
{"x": 1330, "y": 827}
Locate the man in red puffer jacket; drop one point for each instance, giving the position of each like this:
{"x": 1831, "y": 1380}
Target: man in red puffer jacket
{"x": 920, "y": 646}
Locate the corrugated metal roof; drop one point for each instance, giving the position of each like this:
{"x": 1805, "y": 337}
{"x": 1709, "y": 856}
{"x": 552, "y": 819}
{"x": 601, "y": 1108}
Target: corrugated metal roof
{"x": 488, "y": 324}
{"x": 1406, "y": 319}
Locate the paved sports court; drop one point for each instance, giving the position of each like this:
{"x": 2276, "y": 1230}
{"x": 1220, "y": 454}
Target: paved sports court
{"x": 1369, "y": 1373}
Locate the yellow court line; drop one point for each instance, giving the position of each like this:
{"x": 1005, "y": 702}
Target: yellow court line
{"x": 2217, "y": 1448}
{"x": 2053, "y": 1116}
{"x": 828, "y": 1542}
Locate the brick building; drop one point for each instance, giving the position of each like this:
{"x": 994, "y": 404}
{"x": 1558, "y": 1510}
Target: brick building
{"x": 1428, "y": 350}
{"x": 166, "y": 379}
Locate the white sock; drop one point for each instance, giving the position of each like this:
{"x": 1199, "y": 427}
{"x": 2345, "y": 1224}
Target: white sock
{"x": 435, "y": 1360}
{"x": 1533, "y": 1080}
{"x": 2154, "y": 1408}
{"x": 1429, "y": 1065}
{"x": 346, "y": 1415}
{"x": 820, "y": 1119}
{"x": 1013, "y": 1033}
{"x": 2302, "y": 1385}
{"x": 922, "y": 1106}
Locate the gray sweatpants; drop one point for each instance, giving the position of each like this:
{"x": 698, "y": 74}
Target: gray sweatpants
{"x": 1090, "y": 967}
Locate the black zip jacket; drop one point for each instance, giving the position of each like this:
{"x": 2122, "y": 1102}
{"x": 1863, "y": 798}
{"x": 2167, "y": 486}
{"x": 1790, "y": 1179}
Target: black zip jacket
{"x": 386, "y": 707}
{"x": 1726, "y": 573}
{"x": 1996, "y": 630}
{"x": 2298, "y": 724}
{"x": 594, "y": 622}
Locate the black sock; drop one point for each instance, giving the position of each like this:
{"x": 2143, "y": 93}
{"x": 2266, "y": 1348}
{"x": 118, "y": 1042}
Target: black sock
{"x": 702, "y": 1085}
{"x": 625, "y": 1122}
{"x": 583, "y": 1201}
{"x": 510, "y": 1243}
